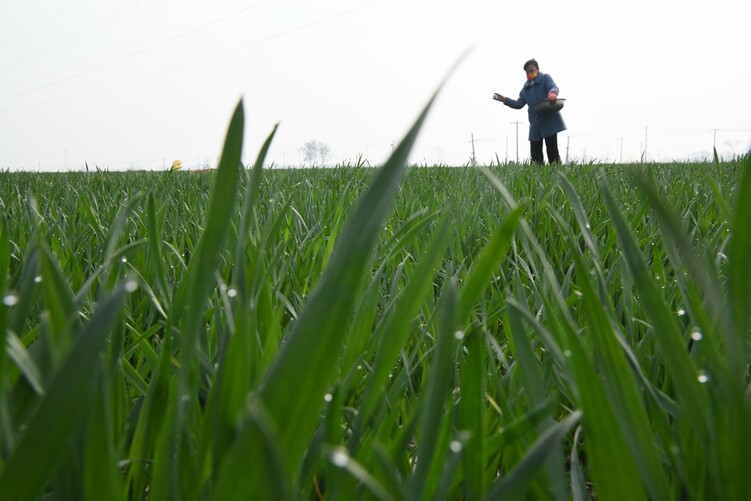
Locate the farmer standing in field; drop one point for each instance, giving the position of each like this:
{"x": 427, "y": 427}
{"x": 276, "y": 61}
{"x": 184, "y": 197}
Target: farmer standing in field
{"x": 543, "y": 125}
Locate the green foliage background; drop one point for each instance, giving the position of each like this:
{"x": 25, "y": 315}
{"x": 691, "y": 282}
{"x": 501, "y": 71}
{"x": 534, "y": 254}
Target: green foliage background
{"x": 511, "y": 332}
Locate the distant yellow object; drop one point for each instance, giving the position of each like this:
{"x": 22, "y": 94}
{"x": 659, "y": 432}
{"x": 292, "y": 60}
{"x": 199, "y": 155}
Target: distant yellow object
{"x": 176, "y": 165}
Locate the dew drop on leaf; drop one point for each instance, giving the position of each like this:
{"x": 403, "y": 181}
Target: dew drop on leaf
{"x": 340, "y": 458}
{"x": 10, "y": 300}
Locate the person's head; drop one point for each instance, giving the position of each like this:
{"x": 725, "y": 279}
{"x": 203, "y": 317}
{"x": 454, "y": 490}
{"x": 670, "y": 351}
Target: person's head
{"x": 531, "y": 68}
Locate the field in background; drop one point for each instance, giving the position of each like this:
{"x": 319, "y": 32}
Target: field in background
{"x": 353, "y": 333}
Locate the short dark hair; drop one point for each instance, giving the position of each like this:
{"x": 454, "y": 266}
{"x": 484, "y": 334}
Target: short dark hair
{"x": 531, "y": 61}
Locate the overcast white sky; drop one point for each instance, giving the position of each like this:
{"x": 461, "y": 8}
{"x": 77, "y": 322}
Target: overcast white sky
{"x": 136, "y": 84}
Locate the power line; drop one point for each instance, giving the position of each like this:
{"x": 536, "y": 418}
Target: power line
{"x": 146, "y": 49}
{"x": 43, "y": 51}
{"x": 37, "y": 26}
{"x": 196, "y": 61}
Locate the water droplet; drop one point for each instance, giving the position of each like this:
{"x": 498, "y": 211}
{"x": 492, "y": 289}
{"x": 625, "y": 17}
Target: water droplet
{"x": 681, "y": 312}
{"x": 702, "y": 377}
{"x": 578, "y": 293}
{"x": 231, "y": 292}
{"x": 567, "y": 353}
{"x": 587, "y": 226}
{"x": 185, "y": 398}
{"x": 124, "y": 259}
{"x": 696, "y": 334}
{"x": 131, "y": 286}
{"x": 455, "y": 446}
{"x": 459, "y": 334}
{"x": 340, "y": 457}
{"x": 10, "y": 300}
{"x": 359, "y": 367}
{"x": 38, "y": 279}
{"x": 328, "y": 397}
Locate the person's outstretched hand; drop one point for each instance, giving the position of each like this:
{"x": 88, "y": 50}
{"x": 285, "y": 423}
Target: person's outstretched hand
{"x": 499, "y": 97}
{"x": 552, "y": 97}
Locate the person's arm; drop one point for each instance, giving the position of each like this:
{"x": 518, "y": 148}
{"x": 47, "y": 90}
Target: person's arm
{"x": 552, "y": 88}
{"x": 517, "y": 104}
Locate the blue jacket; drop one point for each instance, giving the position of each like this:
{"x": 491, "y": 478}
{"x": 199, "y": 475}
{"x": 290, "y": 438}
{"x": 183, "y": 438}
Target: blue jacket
{"x": 541, "y": 125}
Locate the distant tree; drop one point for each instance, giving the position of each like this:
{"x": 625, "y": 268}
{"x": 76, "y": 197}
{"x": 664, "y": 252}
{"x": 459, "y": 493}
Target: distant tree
{"x": 315, "y": 152}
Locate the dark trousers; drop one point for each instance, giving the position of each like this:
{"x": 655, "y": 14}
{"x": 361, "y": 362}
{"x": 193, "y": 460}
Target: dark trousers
{"x": 551, "y": 145}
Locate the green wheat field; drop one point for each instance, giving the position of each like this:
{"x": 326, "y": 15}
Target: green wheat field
{"x": 407, "y": 333}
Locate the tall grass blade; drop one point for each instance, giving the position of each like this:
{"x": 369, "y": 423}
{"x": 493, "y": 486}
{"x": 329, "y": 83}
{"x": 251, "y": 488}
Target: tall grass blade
{"x": 102, "y": 479}
{"x": 485, "y": 267}
{"x": 228, "y": 400}
{"x": 739, "y": 272}
{"x": 67, "y": 402}
{"x": 680, "y": 367}
{"x": 192, "y": 296}
{"x": 250, "y": 199}
{"x": 515, "y": 484}
{"x": 4, "y": 273}
{"x": 617, "y": 374}
{"x": 58, "y": 299}
{"x": 471, "y": 411}
{"x": 155, "y": 252}
{"x": 613, "y": 469}
{"x": 619, "y": 380}
{"x": 236, "y": 480}
{"x": 433, "y": 399}
{"x": 315, "y": 340}
{"x": 339, "y": 456}
{"x": 393, "y": 331}
{"x": 25, "y": 363}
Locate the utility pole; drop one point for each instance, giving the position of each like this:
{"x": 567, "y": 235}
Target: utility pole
{"x": 517, "y": 139}
{"x": 568, "y": 140}
{"x": 714, "y": 140}
{"x": 474, "y": 158}
{"x": 621, "y": 158}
